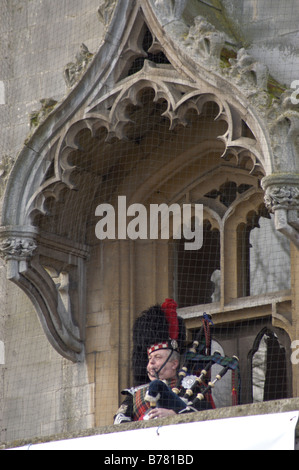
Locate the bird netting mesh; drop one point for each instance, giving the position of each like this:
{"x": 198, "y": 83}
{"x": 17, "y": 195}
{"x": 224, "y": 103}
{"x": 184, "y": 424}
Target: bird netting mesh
{"x": 232, "y": 292}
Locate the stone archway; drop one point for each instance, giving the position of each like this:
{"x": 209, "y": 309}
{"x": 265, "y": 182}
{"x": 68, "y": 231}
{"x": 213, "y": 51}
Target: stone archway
{"x": 41, "y": 256}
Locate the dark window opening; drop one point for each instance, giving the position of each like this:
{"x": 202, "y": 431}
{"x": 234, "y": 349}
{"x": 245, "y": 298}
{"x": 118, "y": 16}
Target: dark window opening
{"x": 198, "y": 272}
{"x": 268, "y": 368}
{"x": 228, "y": 192}
{"x": 158, "y": 57}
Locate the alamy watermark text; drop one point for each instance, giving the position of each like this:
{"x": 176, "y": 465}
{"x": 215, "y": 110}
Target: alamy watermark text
{"x": 161, "y": 221}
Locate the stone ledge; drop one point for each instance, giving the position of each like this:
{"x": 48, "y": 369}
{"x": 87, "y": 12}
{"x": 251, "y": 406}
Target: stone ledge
{"x": 271, "y": 407}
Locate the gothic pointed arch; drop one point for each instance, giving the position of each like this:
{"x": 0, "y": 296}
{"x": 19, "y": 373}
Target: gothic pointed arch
{"x": 156, "y": 65}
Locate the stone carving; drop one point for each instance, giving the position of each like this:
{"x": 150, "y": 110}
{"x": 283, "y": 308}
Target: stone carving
{"x": 74, "y": 70}
{"x": 283, "y": 119}
{"x": 37, "y": 117}
{"x": 207, "y": 44}
{"x": 282, "y": 199}
{"x": 280, "y": 115}
{"x": 170, "y": 10}
{"x": 160, "y": 81}
{"x": 205, "y": 41}
{"x": 200, "y": 50}
{"x": 245, "y": 69}
{"x": 17, "y": 248}
{"x": 105, "y": 11}
{"x": 170, "y": 14}
{"x": 50, "y": 288}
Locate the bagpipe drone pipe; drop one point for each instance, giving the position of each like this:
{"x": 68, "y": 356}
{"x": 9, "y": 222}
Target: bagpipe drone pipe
{"x": 195, "y": 382}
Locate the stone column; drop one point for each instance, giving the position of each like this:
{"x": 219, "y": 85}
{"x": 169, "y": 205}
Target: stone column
{"x": 282, "y": 199}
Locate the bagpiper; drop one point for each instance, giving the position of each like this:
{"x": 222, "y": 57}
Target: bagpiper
{"x": 159, "y": 337}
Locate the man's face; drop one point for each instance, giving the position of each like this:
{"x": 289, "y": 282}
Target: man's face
{"x": 155, "y": 361}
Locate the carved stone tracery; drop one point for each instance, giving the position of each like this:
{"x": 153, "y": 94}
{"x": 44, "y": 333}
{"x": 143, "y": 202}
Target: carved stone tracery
{"x": 47, "y": 268}
{"x": 282, "y": 199}
{"x": 74, "y": 70}
{"x": 17, "y": 248}
{"x": 205, "y": 41}
{"x": 35, "y": 264}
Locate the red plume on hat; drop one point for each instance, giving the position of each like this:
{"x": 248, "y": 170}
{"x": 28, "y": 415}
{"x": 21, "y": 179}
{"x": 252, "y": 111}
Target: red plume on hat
{"x": 169, "y": 307}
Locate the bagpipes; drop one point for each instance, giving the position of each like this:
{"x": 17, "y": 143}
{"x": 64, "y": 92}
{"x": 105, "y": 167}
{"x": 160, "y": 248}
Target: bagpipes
{"x": 194, "y": 385}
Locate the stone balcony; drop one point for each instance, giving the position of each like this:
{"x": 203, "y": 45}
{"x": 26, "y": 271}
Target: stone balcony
{"x": 266, "y": 409}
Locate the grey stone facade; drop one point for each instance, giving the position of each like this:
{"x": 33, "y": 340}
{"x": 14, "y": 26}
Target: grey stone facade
{"x": 38, "y": 39}
{"x": 65, "y": 70}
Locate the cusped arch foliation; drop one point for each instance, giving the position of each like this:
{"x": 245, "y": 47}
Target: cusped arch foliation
{"x": 99, "y": 104}
{"x": 179, "y": 100}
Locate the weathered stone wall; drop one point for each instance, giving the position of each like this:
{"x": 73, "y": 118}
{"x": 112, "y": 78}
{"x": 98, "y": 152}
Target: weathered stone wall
{"x": 269, "y": 30}
{"x": 40, "y": 392}
{"x": 43, "y": 393}
{"x": 38, "y": 39}
{"x": 273, "y": 407}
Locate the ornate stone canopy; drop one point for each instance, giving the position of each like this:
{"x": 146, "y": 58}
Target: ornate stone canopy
{"x": 200, "y": 65}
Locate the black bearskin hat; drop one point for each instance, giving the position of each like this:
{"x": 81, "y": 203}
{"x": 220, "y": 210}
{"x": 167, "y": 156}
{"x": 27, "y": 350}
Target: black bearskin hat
{"x": 156, "y": 328}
